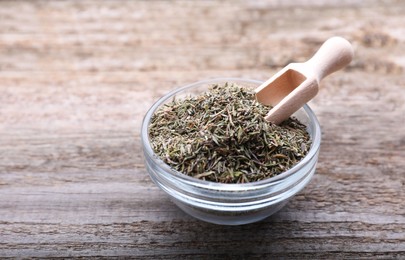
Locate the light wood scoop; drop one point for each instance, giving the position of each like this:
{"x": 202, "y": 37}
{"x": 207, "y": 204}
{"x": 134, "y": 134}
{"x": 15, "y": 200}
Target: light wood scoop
{"x": 297, "y": 83}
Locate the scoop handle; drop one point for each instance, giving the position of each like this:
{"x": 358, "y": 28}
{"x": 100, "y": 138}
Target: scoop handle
{"x": 333, "y": 55}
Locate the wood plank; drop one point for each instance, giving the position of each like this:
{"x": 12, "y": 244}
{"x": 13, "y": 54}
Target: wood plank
{"x": 77, "y": 77}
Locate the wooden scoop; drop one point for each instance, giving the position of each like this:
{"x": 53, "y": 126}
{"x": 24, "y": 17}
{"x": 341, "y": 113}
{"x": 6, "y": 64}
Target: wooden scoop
{"x": 297, "y": 83}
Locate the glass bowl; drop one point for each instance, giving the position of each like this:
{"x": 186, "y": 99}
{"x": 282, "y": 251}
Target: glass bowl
{"x": 223, "y": 203}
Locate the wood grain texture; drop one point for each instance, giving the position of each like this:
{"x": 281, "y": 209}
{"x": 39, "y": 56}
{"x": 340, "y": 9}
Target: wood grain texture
{"x": 76, "y": 78}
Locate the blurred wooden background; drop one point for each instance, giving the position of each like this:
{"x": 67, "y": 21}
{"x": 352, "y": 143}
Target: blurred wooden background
{"x": 76, "y": 78}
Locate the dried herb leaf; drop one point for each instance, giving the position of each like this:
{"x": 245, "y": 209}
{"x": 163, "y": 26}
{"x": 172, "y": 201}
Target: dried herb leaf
{"x": 222, "y": 136}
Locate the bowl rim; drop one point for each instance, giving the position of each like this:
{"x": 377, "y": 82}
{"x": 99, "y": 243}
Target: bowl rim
{"x": 170, "y": 172}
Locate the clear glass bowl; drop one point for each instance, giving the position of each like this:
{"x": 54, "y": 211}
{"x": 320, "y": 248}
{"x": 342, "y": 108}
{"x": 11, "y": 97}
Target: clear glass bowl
{"x": 230, "y": 204}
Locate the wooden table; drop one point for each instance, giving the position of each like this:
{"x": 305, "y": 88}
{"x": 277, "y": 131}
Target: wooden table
{"x": 76, "y": 78}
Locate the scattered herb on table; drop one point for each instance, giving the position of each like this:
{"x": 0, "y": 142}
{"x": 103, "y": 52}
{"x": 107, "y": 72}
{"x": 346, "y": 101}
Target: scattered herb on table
{"x": 222, "y": 136}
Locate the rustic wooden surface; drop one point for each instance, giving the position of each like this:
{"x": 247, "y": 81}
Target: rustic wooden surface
{"x": 76, "y": 78}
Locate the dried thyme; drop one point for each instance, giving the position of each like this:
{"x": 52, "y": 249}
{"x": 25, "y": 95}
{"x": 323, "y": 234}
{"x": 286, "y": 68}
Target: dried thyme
{"x": 221, "y": 136}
